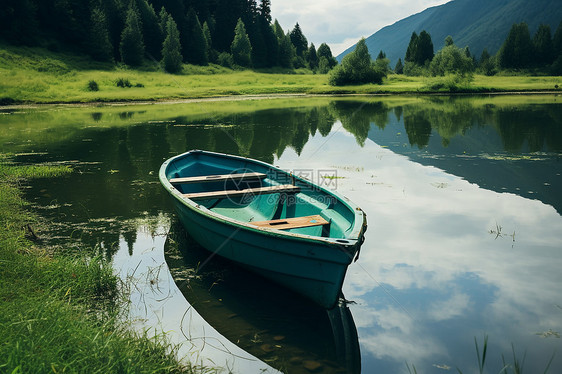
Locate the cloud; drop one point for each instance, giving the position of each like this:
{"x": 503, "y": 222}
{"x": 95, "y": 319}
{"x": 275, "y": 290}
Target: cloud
{"x": 341, "y": 24}
{"x": 430, "y": 261}
{"x": 446, "y": 309}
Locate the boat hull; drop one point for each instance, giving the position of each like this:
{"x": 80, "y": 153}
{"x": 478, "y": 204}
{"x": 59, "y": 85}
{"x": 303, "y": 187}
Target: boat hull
{"x": 313, "y": 270}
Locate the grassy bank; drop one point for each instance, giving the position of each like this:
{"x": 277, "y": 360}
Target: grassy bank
{"x": 33, "y": 75}
{"x": 60, "y": 313}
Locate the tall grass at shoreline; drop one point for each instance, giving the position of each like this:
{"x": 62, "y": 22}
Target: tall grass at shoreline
{"x": 60, "y": 313}
{"x": 513, "y": 366}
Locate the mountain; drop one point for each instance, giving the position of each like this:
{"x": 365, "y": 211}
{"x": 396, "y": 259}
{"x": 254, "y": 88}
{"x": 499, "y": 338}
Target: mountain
{"x": 477, "y": 24}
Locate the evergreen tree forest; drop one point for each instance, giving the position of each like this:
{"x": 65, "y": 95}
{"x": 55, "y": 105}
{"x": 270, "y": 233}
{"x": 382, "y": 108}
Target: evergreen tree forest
{"x": 136, "y": 31}
{"x": 537, "y": 54}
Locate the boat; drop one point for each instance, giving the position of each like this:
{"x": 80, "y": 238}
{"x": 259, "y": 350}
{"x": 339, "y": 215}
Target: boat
{"x": 280, "y": 225}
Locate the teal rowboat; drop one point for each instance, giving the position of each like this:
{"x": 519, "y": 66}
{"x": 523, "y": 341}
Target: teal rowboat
{"x": 282, "y": 226}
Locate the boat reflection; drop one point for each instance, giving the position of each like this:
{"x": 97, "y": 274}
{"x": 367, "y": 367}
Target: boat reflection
{"x": 274, "y": 324}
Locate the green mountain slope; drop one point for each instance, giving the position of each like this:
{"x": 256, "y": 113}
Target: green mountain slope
{"x": 477, "y": 23}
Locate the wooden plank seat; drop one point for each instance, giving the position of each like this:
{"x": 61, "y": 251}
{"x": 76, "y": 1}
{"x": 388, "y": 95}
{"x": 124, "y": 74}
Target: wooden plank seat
{"x": 292, "y": 223}
{"x": 248, "y": 191}
{"x": 218, "y": 178}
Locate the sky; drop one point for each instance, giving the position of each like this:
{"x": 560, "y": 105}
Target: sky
{"x": 341, "y": 23}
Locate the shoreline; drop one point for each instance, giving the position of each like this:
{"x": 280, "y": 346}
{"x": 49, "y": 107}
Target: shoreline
{"x": 169, "y": 101}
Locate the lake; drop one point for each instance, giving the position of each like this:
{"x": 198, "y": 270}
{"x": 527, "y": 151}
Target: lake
{"x": 463, "y": 197}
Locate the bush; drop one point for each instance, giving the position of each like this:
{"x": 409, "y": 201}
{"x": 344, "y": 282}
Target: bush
{"x": 412, "y": 69}
{"x": 342, "y": 76}
{"x": 123, "y": 82}
{"x": 451, "y": 60}
{"x": 324, "y": 66}
{"x": 488, "y": 67}
{"x": 357, "y": 68}
{"x": 93, "y": 86}
{"x": 225, "y": 59}
{"x": 450, "y": 83}
{"x": 556, "y": 67}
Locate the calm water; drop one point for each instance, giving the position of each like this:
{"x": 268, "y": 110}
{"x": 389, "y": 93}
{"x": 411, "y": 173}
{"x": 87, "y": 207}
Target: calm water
{"x": 463, "y": 198}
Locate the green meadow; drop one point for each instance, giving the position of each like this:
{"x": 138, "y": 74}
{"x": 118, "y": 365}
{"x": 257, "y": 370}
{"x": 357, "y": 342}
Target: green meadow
{"x": 34, "y": 75}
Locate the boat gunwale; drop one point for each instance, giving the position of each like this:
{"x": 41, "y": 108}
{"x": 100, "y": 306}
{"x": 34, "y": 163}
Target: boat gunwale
{"x": 356, "y": 236}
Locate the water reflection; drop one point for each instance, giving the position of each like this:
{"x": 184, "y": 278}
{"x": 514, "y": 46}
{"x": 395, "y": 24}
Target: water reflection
{"x": 463, "y": 198}
{"x": 286, "y": 331}
{"x": 156, "y": 306}
{"x": 434, "y": 273}
{"x": 498, "y": 144}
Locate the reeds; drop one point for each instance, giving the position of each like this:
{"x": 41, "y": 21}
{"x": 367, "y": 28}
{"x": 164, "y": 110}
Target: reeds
{"x": 514, "y": 367}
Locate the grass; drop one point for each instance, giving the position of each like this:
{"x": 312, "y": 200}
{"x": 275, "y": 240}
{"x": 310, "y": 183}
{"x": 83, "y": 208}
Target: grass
{"x": 35, "y": 75}
{"x": 60, "y": 313}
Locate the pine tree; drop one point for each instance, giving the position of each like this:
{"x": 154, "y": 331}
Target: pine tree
{"x": 516, "y": 51}
{"x": 278, "y": 30}
{"x": 171, "y": 48}
{"x": 201, "y": 7}
{"x": 312, "y": 57}
{"x": 69, "y": 19}
{"x": 265, "y": 10}
{"x": 265, "y": 45}
{"x": 249, "y": 14}
{"x": 287, "y": 52}
{"x": 241, "y": 48}
{"x": 542, "y": 43}
{"x": 381, "y": 62}
{"x": 259, "y": 46}
{"x": 226, "y": 15}
{"x": 211, "y": 53}
{"x": 18, "y": 21}
{"x": 100, "y": 45}
{"x": 299, "y": 41}
{"x": 132, "y": 44}
{"x": 424, "y": 49}
{"x": 399, "y": 68}
{"x": 486, "y": 63}
{"x": 412, "y": 47}
{"x": 153, "y": 34}
{"x": 163, "y": 20}
{"x": 115, "y": 12}
{"x": 271, "y": 43}
{"x": 175, "y": 8}
{"x": 325, "y": 51}
{"x": 195, "y": 46}
{"x": 556, "y": 68}
{"x": 485, "y": 56}
{"x": 557, "y": 41}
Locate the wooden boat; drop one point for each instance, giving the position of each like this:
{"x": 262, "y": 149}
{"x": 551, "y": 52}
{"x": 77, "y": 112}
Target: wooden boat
{"x": 282, "y": 226}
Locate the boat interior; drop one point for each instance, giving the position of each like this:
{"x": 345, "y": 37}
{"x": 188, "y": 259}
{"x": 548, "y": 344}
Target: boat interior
{"x": 265, "y": 200}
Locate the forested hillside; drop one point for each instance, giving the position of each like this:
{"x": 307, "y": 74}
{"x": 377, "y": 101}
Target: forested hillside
{"x": 478, "y": 24}
{"x": 132, "y": 31}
